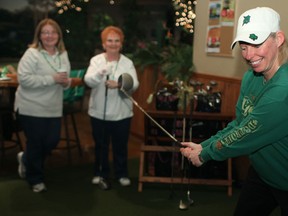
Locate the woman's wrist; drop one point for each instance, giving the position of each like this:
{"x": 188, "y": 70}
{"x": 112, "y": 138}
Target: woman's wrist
{"x": 200, "y": 159}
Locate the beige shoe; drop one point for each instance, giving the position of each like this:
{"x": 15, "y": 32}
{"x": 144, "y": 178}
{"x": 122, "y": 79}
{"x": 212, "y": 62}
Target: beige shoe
{"x": 96, "y": 180}
{"x": 38, "y": 188}
{"x": 124, "y": 181}
{"x": 21, "y": 166}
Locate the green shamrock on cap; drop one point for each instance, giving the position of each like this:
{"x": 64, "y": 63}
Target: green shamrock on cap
{"x": 246, "y": 20}
{"x": 253, "y": 37}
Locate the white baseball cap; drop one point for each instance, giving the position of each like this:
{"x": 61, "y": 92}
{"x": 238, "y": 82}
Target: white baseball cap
{"x": 255, "y": 25}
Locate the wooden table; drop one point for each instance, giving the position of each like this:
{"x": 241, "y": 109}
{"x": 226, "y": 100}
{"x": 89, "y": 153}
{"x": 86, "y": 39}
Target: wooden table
{"x": 14, "y": 83}
{"x": 7, "y": 92}
{"x": 9, "y": 83}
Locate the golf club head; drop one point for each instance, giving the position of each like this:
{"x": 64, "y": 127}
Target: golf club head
{"x": 104, "y": 184}
{"x": 190, "y": 201}
{"x": 183, "y": 206}
{"x": 125, "y": 82}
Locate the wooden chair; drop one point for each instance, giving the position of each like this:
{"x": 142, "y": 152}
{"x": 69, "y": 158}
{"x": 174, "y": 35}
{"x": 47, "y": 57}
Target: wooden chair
{"x": 72, "y": 103}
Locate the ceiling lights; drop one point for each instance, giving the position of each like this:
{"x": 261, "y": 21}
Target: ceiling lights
{"x": 184, "y": 12}
{"x": 65, "y": 5}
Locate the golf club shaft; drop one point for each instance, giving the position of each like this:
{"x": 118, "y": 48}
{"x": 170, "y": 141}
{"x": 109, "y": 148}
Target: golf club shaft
{"x": 105, "y": 102}
{"x": 155, "y": 122}
{"x": 184, "y": 128}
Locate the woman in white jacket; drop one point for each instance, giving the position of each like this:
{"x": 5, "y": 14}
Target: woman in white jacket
{"x": 110, "y": 110}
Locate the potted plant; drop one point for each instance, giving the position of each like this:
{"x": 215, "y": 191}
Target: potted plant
{"x": 176, "y": 62}
{"x": 147, "y": 54}
{"x": 173, "y": 61}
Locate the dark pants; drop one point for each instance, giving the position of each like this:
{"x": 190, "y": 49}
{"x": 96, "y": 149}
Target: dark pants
{"x": 118, "y": 133}
{"x": 259, "y": 199}
{"x": 42, "y": 136}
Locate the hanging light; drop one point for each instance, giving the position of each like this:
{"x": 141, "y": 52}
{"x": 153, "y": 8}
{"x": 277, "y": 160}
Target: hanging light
{"x": 65, "y": 5}
{"x": 185, "y": 14}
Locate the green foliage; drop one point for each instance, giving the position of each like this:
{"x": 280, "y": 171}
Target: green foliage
{"x": 177, "y": 62}
{"x": 174, "y": 60}
{"x": 147, "y": 55}
{"x": 100, "y": 21}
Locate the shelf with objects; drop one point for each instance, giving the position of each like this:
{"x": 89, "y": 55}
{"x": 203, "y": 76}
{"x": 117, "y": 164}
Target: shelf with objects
{"x": 160, "y": 159}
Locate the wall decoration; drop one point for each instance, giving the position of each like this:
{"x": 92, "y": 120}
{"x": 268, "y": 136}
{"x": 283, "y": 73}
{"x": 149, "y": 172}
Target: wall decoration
{"x": 228, "y": 13}
{"x": 214, "y": 10}
{"x": 220, "y": 27}
{"x": 213, "y": 39}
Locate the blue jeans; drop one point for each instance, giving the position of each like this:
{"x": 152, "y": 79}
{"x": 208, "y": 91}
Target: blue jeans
{"x": 116, "y": 132}
{"x": 259, "y": 199}
{"x": 42, "y": 136}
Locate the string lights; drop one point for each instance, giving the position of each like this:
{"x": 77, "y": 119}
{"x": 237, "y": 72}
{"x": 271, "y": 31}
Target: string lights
{"x": 65, "y": 5}
{"x": 184, "y": 12}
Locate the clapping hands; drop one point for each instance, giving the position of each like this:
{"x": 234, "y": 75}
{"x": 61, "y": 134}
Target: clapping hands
{"x": 191, "y": 151}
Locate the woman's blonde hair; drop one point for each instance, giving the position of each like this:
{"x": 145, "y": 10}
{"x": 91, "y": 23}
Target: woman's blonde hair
{"x": 283, "y": 50}
{"x": 109, "y": 29}
{"x": 37, "y": 43}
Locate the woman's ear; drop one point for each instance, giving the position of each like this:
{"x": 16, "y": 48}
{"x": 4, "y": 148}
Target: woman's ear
{"x": 280, "y": 38}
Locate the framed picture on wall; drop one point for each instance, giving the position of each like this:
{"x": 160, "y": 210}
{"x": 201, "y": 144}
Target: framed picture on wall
{"x": 221, "y": 27}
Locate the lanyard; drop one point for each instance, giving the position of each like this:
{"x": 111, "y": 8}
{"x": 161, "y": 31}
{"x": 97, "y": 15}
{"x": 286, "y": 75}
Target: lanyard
{"x": 53, "y": 63}
{"x": 113, "y": 68}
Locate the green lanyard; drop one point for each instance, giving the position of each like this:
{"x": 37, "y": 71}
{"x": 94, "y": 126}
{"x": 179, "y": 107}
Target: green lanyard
{"x": 114, "y": 69}
{"x": 51, "y": 64}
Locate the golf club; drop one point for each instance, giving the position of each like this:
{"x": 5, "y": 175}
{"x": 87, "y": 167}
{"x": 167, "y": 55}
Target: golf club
{"x": 190, "y": 200}
{"x": 183, "y": 205}
{"x": 102, "y": 183}
{"x": 125, "y": 83}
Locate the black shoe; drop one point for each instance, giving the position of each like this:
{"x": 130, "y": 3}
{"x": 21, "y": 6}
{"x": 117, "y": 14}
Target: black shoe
{"x": 104, "y": 184}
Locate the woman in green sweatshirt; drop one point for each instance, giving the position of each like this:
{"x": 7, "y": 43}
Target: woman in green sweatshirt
{"x": 260, "y": 128}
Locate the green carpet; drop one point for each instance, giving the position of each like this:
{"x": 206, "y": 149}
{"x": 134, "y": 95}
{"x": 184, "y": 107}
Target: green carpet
{"x": 70, "y": 193}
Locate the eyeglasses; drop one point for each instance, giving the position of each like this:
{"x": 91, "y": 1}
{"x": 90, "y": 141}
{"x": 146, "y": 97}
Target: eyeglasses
{"x": 46, "y": 33}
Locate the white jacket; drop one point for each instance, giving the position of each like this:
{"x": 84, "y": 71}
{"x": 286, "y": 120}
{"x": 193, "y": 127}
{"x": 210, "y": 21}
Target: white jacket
{"x": 118, "y": 105}
{"x": 38, "y": 94}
